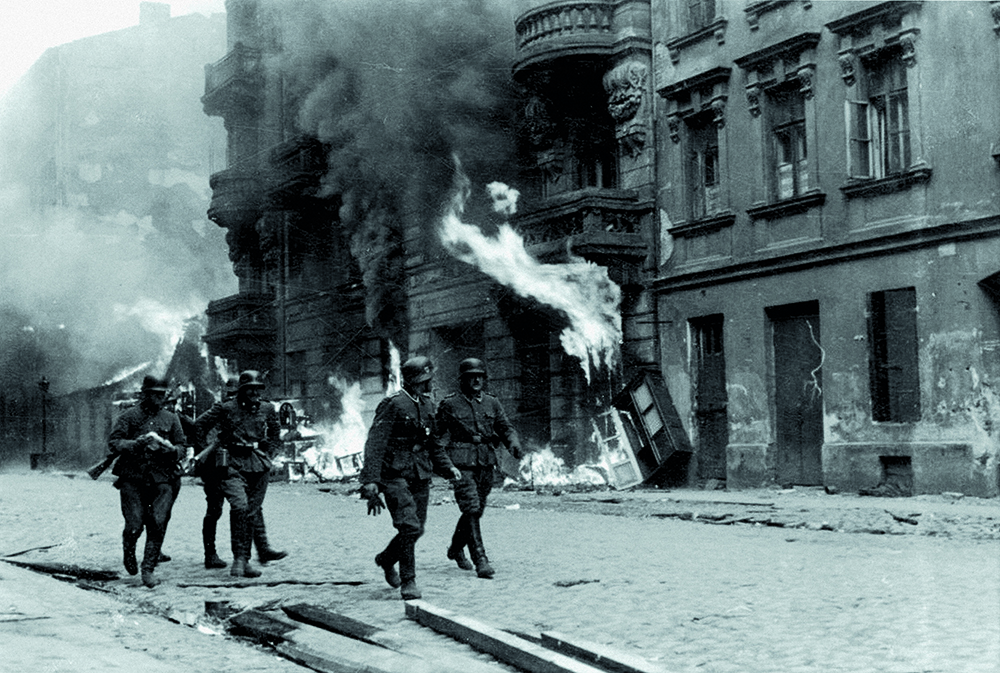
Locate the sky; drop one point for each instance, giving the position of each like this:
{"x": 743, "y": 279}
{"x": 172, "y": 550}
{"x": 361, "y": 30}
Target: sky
{"x": 29, "y": 27}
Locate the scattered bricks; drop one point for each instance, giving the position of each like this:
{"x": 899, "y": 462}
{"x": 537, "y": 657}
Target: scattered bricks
{"x": 600, "y": 655}
{"x": 508, "y": 648}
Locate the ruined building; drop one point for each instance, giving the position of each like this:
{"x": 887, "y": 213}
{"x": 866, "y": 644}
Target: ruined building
{"x": 797, "y": 199}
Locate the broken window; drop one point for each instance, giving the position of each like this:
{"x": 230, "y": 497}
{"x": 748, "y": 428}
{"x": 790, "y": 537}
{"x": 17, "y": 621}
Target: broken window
{"x": 895, "y": 382}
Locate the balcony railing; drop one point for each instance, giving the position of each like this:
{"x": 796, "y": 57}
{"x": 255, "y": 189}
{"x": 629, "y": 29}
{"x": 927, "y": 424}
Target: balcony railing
{"x": 234, "y": 83}
{"x": 236, "y": 198}
{"x": 240, "y": 323}
{"x": 593, "y": 222}
{"x": 564, "y": 27}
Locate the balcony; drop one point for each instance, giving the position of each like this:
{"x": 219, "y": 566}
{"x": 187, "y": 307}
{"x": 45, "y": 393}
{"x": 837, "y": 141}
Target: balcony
{"x": 299, "y": 166}
{"x": 235, "y": 84}
{"x": 564, "y": 28}
{"x": 602, "y": 225}
{"x": 241, "y": 327}
{"x": 236, "y": 199}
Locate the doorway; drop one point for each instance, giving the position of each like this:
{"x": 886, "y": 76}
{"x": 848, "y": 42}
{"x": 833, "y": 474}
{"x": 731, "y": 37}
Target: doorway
{"x": 711, "y": 416}
{"x": 798, "y": 393}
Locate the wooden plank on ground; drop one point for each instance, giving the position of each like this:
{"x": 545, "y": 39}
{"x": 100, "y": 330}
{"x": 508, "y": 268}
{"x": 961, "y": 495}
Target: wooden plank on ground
{"x": 504, "y": 646}
{"x": 603, "y": 656}
{"x": 93, "y": 574}
{"x": 444, "y": 657}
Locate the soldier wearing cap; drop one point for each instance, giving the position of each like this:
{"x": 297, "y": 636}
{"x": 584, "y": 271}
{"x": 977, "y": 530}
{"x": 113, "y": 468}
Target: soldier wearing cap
{"x": 400, "y": 458}
{"x": 472, "y": 424}
{"x": 249, "y": 436}
{"x": 150, "y": 444}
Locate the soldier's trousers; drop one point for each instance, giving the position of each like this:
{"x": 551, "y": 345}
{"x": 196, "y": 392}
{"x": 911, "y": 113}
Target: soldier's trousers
{"x": 147, "y": 505}
{"x": 215, "y": 498}
{"x": 471, "y": 492}
{"x": 245, "y": 493}
{"x": 406, "y": 500}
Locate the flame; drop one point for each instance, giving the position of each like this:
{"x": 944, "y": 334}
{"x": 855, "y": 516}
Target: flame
{"x": 167, "y": 322}
{"x": 544, "y": 468}
{"x": 395, "y": 378}
{"x": 337, "y": 453}
{"x": 125, "y": 373}
{"x": 580, "y": 289}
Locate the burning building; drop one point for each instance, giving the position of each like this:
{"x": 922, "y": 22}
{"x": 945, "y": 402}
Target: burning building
{"x": 790, "y": 207}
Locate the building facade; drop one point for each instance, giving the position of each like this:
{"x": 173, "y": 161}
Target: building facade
{"x": 798, "y": 199}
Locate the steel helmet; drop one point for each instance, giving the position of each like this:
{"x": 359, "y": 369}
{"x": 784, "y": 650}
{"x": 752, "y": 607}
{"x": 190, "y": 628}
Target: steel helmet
{"x": 250, "y": 379}
{"x": 470, "y": 366}
{"x": 153, "y": 384}
{"x": 417, "y": 370}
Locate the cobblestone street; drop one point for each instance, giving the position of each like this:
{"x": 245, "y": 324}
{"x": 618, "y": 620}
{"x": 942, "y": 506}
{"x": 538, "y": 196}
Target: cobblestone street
{"x": 696, "y": 581}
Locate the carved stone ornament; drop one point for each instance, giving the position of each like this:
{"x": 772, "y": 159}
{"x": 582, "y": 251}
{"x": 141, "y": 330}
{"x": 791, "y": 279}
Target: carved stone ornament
{"x": 908, "y": 43}
{"x": 805, "y": 75}
{"x": 718, "y": 105}
{"x": 753, "y": 99}
{"x": 674, "y": 127}
{"x": 632, "y": 138}
{"x": 550, "y": 162}
{"x": 847, "y": 63}
{"x": 995, "y": 13}
{"x": 625, "y": 85}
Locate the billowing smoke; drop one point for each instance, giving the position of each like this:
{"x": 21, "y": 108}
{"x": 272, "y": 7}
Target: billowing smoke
{"x": 579, "y": 289}
{"x": 100, "y": 294}
{"x": 396, "y": 88}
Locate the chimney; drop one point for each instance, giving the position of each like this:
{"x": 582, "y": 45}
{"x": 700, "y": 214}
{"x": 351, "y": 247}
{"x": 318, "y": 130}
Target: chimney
{"x": 153, "y": 13}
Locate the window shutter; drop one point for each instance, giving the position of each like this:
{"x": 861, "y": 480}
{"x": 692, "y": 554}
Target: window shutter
{"x": 858, "y": 139}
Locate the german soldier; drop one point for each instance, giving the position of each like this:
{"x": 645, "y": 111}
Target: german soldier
{"x": 248, "y": 439}
{"x": 150, "y": 445}
{"x": 400, "y": 458}
{"x": 471, "y": 424}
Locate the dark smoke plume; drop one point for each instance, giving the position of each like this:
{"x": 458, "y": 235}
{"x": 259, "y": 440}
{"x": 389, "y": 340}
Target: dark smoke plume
{"x": 397, "y": 89}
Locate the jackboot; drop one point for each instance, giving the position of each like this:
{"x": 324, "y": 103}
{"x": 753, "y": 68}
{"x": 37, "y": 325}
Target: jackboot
{"x": 264, "y": 551}
{"x": 459, "y": 540}
{"x": 408, "y": 569}
{"x": 212, "y": 559}
{"x": 242, "y": 568}
{"x": 478, "y": 551}
{"x": 128, "y": 557}
{"x": 149, "y": 579}
{"x": 389, "y": 569}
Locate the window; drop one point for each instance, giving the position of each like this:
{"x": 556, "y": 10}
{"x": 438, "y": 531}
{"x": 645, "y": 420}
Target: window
{"x": 787, "y": 123}
{"x": 895, "y": 383}
{"x": 700, "y": 13}
{"x": 703, "y": 166}
{"x": 878, "y": 120}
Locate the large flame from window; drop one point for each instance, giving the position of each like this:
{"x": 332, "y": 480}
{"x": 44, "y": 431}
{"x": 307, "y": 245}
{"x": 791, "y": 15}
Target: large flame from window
{"x": 580, "y": 289}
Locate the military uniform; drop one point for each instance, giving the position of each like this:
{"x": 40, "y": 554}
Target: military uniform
{"x": 248, "y": 437}
{"x": 148, "y": 476}
{"x": 400, "y": 457}
{"x": 471, "y": 425}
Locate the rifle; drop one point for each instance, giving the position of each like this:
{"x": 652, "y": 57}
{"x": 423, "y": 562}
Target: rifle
{"x": 99, "y": 469}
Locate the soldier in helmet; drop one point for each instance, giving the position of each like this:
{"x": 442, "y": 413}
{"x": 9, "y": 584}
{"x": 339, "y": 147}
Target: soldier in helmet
{"x": 150, "y": 445}
{"x": 400, "y": 458}
{"x": 212, "y": 469}
{"x": 249, "y": 436}
{"x": 472, "y": 424}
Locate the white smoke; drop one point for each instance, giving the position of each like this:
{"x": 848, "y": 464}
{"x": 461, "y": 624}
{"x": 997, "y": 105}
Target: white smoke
{"x": 579, "y": 289}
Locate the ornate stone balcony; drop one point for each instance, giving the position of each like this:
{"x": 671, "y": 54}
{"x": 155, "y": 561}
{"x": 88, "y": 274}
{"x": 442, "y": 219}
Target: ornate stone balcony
{"x": 241, "y": 326}
{"x": 597, "y": 224}
{"x": 236, "y": 198}
{"x": 564, "y": 28}
{"x": 235, "y": 84}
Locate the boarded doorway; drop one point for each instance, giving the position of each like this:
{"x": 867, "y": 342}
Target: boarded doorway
{"x": 798, "y": 393}
{"x": 711, "y": 416}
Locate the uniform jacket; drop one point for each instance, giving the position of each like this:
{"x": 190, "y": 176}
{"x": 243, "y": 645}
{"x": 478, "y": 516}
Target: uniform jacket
{"x": 400, "y": 442}
{"x": 137, "y": 462}
{"x": 252, "y": 438}
{"x": 471, "y": 429}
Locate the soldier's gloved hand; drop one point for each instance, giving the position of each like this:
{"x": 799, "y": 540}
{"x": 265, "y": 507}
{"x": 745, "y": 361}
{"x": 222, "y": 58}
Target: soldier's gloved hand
{"x": 516, "y": 451}
{"x": 456, "y": 474}
{"x": 370, "y": 493}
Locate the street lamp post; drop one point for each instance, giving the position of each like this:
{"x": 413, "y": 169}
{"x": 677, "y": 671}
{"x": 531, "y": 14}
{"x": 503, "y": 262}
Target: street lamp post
{"x": 43, "y": 458}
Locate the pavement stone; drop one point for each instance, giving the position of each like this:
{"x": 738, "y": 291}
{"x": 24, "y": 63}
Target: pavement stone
{"x": 776, "y": 592}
